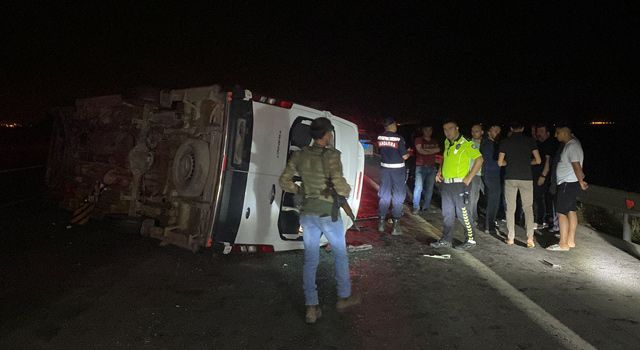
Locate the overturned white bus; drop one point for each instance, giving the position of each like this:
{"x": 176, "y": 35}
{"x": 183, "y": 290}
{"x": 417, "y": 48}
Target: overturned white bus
{"x": 195, "y": 167}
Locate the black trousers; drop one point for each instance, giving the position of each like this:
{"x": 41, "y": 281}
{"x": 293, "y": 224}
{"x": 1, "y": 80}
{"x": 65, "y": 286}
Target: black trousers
{"x": 455, "y": 200}
{"x": 493, "y": 191}
{"x": 542, "y": 202}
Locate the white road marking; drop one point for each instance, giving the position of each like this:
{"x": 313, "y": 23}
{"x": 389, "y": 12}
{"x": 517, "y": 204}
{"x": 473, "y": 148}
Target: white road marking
{"x": 545, "y": 320}
{"x": 550, "y": 324}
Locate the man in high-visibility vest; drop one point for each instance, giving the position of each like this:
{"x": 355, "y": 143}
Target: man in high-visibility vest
{"x": 456, "y": 176}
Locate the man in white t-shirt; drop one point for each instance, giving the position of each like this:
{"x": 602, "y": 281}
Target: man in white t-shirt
{"x": 570, "y": 181}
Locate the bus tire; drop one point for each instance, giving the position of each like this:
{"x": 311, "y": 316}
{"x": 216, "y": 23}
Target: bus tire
{"x": 191, "y": 167}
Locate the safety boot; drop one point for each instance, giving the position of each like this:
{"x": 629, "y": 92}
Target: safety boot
{"x": 397, "y": 231}
{"x": 381, "y": 226}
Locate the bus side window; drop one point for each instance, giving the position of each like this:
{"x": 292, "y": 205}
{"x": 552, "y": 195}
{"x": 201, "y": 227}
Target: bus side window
{"x": 300, "y": 133}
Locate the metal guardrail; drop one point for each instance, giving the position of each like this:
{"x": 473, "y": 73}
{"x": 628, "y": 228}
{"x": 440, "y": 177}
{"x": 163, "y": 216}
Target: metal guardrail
{"x": 626, "y": 202}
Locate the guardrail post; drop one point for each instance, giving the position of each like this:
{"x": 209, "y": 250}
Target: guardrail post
{"x": 626, "y": 228}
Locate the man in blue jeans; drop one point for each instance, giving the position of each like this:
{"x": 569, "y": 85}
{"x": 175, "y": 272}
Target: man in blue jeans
{"x": 316, "y": 164}
{"x": 426, "y": 168}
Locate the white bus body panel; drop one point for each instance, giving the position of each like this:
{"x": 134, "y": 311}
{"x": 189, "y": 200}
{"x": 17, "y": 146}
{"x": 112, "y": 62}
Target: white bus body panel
{"x": 271, "y": 126}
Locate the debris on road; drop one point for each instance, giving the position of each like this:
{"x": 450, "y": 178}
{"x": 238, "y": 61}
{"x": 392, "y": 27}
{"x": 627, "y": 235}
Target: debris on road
{"x": 357, "y": 248}
{"x": 550, "y": 264}
{"x": 438, "y": 256}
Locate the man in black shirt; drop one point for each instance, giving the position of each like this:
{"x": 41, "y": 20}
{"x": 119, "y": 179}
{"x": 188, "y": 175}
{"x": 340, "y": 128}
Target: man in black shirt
{"x": 542, "y": 198}
{"x": 515, "y": 154}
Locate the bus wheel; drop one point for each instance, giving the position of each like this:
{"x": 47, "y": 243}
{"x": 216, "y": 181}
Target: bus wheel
{"x": 191, "y": 167}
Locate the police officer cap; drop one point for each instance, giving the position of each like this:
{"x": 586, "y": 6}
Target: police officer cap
{"x": 388, "y": 121}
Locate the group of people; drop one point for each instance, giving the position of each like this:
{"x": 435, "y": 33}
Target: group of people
{"x": 545, "y": 173}
{"x": 465, "y": 167}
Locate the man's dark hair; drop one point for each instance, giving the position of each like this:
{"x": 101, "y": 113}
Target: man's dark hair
{"x": 478, "y": 124}
{"x": 516, "y": 124}
{"x": 447, "y": 121}
{"x": 388, "y": 121}
{"x": 424, "y": 126}
{"x": 543, "y": 125}
{"x": 319, "y": 127}
{"x": 564, "y": 124}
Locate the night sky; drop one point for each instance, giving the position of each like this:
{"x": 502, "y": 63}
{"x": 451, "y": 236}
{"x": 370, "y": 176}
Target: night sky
{"x": 414, "y": 62}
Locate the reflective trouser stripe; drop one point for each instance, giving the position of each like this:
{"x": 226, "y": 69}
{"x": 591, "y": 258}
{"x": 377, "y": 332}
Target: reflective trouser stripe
{"x": 467, "y": 223}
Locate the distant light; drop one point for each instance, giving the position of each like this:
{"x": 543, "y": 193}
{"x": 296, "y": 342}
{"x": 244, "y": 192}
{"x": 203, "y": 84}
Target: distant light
{"x": 601, "y": 122}
{"x": 10, "y": 125}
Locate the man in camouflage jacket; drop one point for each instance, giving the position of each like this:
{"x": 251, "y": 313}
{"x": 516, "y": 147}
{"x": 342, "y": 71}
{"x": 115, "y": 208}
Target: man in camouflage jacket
{"x": 316, "y": 164}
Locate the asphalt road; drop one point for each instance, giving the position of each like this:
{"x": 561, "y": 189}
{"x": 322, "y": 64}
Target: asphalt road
{"x": 95, "y": 288}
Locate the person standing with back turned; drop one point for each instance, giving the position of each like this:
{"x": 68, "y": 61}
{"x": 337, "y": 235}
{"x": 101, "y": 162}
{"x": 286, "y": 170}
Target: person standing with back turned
{"x": 456, "y": 177}
{"x": 393, "y": 153}
{"x": 515, "y": 154}
{"x": 315, "y": 164}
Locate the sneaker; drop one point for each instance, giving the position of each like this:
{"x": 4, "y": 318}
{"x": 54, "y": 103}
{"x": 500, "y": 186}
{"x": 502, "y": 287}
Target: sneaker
{"x": 313, "y": 314}
{"x": 541, "y": 226}
{"x": 344, "y": 303}
{"x": 466, "y": 245}
{"x": 397, "y": 231}
{"x": 415, "y": 211}
{"x": 381, "y": 225}
{"x": 441, "y": 244}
